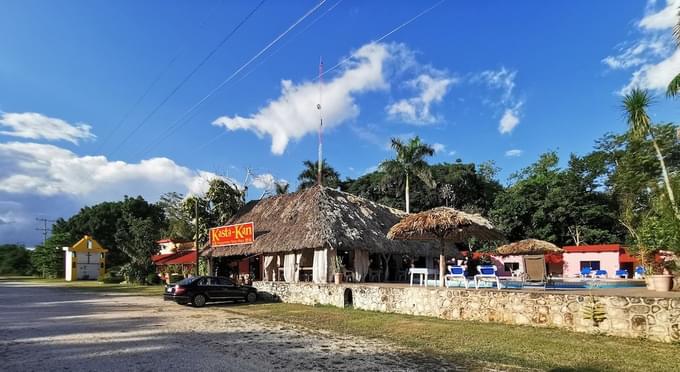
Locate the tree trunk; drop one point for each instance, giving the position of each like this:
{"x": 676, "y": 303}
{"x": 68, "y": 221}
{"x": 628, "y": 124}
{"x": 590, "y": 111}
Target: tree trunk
{"x": 406, "y": 195}
{"x": 387, "y": 265}
{"x": 666, "y": 180}
{"x": 442, "y": 265}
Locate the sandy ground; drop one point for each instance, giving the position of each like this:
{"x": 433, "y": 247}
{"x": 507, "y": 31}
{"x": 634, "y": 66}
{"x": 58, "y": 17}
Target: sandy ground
{"x": 47, "y": 328}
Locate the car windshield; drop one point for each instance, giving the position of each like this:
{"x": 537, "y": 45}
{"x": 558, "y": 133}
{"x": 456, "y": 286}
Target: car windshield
{"x": 187, "y": 281}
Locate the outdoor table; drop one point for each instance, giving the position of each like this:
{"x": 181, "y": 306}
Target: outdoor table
{"x": 424, "y": 274}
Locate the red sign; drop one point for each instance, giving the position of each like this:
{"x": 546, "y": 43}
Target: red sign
{"x": 242, "y": 233}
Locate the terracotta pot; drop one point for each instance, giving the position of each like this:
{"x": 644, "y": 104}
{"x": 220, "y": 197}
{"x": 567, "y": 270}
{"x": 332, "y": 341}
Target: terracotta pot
{"x": 338, "y": 278}
{"x": 662, "y": 283}
{"x": 649, "y": 282}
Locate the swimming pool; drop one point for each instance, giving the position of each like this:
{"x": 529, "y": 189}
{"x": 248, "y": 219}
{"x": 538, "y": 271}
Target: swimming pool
{"x": 555, "y": 284}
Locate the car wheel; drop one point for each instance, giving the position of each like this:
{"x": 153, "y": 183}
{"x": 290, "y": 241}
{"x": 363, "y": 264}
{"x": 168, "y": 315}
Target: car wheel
{"x": 251, "y": 297}
{"x": 198, "y": 300}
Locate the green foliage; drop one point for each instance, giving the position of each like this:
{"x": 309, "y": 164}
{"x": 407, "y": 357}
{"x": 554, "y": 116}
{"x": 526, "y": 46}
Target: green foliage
{"x": 308, "y": 177}
{"x": 409, "y": 163}
{"x": 48, "y": 259}
{"x": 153, "y": 279}
{"x": 15, "y": 260}
{"x": 179, "y": 221}
{"x": 562, "y": 206}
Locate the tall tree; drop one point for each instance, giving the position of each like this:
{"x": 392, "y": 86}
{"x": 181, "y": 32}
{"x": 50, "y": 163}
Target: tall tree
{"x": 48, "y": 259}
{"x": 635, "y": 104}
{"x": 15, "y": 260}
{"x": 409, "y": 162}
{"x": 282, "y": 188}
{"x": 179, "y": 222}
{"x": 308, "y": 177}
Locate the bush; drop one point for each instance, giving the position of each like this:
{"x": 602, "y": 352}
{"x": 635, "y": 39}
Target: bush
{"x": 153, "y": 279}
{"x": 110, "y": 278}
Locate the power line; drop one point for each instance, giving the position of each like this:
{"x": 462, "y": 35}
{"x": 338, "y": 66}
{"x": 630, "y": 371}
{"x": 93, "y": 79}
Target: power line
{"x": 388, "y": 34}
{"x": 323, "y": 73}
{"x": 178, "y": 123}
{"x": 44, "y": 229}
{"x": 186, "y": 78}
{"x": 158, "y": 77}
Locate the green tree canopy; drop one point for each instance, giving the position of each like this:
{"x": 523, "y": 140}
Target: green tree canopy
{"x": 15, "y": 260}
{"x": 308, "y": 177}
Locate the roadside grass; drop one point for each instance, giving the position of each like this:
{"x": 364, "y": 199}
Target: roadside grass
{"x": 476, "y": 345}
{"x": 90, "y": 285}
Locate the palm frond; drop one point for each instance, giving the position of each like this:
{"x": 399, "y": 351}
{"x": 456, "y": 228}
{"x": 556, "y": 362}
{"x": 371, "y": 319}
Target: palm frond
{"x": 635, "y": 105}
{"x": 673, "y": 87}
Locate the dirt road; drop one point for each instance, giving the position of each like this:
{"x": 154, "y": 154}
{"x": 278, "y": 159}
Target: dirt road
{"x": 47, "y": 328}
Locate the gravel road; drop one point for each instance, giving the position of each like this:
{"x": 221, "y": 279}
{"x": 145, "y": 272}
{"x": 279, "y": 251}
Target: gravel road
{"x": 50, "y": 328}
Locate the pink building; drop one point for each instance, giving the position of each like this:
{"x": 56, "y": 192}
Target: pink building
{"x": 609, "y": 257}
{"x": 505, "y": 265}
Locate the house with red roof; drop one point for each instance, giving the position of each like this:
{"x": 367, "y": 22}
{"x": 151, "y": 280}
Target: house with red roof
{"x": 609, "y": 257}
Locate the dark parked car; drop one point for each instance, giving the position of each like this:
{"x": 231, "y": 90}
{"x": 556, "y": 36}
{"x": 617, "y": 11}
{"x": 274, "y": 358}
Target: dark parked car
{"x": 201, "y": 289}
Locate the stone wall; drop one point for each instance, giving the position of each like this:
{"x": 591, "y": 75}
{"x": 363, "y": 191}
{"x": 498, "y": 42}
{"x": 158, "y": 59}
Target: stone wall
{"x": 652, "y": 318}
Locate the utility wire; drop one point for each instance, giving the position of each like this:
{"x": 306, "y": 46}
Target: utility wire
{"x": 186, "y": 78}
{"x": 178, "y": 123}
{"x": 386, "y": 35}
{"x": 277, "y": 50}
{"x": 180, "y": 52}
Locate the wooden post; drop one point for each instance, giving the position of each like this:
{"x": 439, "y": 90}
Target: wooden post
{"x": 442, "y": 264}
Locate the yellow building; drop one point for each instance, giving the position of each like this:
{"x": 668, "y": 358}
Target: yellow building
{"x": 85, "y": 260}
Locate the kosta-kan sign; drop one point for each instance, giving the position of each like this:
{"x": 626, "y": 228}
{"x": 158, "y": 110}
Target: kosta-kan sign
{"x": 242, "y": 233}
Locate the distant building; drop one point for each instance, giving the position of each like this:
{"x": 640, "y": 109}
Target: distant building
{"x": 85, "y": 260}
{"x": 609, "y": 257}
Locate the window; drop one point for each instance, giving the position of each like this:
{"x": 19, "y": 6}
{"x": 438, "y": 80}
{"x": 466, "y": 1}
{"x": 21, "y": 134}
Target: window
{"x": 511, "y": 266}
{"x": 224, "y": 281}
{"x": 593, "y": 265}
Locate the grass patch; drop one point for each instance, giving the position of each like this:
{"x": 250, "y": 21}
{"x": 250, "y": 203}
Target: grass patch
{"x": 90, "y": 285}
{"x": 475, "y": 344}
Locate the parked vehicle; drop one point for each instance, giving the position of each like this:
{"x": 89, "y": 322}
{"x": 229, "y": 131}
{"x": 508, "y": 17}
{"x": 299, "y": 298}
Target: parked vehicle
{"x": 202, "y": 289}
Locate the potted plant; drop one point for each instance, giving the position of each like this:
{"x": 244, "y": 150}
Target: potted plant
{"x": 338, "y": 269}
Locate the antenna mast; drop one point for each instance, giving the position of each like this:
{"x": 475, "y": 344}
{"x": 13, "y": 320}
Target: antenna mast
{"x": 318, "y": 106}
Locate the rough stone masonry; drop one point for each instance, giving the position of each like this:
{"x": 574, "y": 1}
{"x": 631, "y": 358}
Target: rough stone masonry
{"x": 656, "y": 319}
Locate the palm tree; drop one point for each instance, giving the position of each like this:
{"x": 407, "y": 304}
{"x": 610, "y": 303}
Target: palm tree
{"x": 282, "y": 188}
{"x": 409, "y": 162}
{"x": 635, "y": 104}
{"x": 674, "y": 86}
{"x": 308, "y": 177}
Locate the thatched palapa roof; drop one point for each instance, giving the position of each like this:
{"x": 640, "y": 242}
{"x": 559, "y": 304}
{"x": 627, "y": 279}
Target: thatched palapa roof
{"x": 446, "y": 224}
{"x": 528, "y": 247}
{"x": 320, "y": 217}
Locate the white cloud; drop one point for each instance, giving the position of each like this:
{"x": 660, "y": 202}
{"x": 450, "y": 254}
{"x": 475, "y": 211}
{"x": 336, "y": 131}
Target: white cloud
{"x": 662, "y": 19}
{"x": 513, "y": 153}
{"x": 38, "y": 126}
{"x": 267, "y": 182}
{"x": 452, "y": 152}
{"x": 293, "y": 114}
{"x": 417, "y": 110}
{"x": 503, "y": 80}
{"x": 653, "y": 54}
{"x": 48, "y": 170}
{"x": 509, "y": 120}
{"x": 438, "y": 147}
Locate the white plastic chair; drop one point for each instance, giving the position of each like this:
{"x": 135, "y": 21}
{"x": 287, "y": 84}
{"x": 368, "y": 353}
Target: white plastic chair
{"x": 487, "y": 273}
{"x": 456, "y": 273}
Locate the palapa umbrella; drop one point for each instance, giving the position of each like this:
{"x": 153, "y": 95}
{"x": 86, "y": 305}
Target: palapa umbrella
{"x": 444, "y": 224}
{"x": 528, "y": 247}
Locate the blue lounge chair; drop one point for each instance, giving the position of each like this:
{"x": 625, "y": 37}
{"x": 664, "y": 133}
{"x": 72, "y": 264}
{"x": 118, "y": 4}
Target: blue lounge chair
{"x": 487, "y": 273}
{"x": 640, "y": 272}
{"x": 586, "y": 272}
{"x": 621, "y": 273}
{"x": 600, "y": 273}
{"x": 456, "y": 273}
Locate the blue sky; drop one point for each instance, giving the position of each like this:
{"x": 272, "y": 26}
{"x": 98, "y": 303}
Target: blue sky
{"x": 494, "y": 80}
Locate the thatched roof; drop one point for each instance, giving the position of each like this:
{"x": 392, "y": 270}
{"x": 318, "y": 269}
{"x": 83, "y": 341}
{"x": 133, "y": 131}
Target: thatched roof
{"x": 444, "y": 223}
{"x": 528, "y": 247}
{"x": 320, "y": 217}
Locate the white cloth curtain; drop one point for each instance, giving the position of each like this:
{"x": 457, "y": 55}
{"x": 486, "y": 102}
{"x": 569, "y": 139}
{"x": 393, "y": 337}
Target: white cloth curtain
{"x": 320, "y": 266}
{"x": 269, "y": 268}
{"x": 298, "y": 258}
{"x": 289, "y": 267}
{"x": 361, "y": 263}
